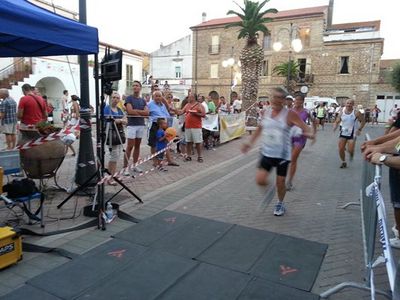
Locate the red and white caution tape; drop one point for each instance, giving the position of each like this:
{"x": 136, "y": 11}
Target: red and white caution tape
{"x": 130, "y": 167}
{"x": 51, "y": 137}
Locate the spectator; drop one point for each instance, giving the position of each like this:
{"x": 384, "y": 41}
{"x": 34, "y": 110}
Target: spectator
{"x": 161, "y": 142}
{"x": 157, "y": 110}
{"x": 112, "y": 111}
{"x": 166, "y": 85}
{"x": 64, "y": 105}
{"x": 375, "y": 114}
{"x": 194, "y": 112}
{"x": 236, "y": 103}
{"x": 223, "y": 106}
{"x": 202, "y": 100}
{"x": 382, "y": 151}
{"x": 137, "y": 109}
{"x": 8, "y": 118}
{"x": 393, "y": 112}
{"x": 31, "y": 108}
{"x": 50, "y": 109}
{"x": 75, "y": 111}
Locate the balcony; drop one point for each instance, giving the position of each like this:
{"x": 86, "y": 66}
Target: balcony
{"x": 305, "y": 79}
{"x": 214, "y": 49}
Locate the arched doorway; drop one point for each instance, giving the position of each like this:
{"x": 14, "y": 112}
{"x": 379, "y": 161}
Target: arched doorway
{"x": 53, "y": 88}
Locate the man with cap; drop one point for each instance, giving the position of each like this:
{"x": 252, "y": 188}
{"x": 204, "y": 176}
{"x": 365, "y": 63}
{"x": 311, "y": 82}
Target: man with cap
{"x": 289, "y": 101}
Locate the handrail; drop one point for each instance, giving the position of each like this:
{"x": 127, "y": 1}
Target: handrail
{"x": 12, "y": 64}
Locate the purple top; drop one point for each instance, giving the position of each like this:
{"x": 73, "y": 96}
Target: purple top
{"x": 300, "y": 141}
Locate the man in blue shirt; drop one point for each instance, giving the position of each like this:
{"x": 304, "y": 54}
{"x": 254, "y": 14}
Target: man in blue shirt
{"x": 157, "y": 109}
{"x": 136, "y": 109}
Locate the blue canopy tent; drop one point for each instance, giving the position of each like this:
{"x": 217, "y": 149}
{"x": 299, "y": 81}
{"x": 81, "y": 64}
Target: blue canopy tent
{"x": 29, "y": 30}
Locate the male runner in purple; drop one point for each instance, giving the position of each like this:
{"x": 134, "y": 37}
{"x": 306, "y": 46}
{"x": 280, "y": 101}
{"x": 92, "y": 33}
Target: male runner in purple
{"x": 298, "y": 140}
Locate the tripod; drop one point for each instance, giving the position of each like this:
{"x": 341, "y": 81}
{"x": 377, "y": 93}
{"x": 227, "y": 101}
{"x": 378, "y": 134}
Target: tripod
{"x": 101, "y": 138}
{"x": 111, "y": 126}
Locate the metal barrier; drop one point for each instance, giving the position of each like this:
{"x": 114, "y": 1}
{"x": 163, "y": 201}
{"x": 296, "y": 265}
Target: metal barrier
{"x": 373, "y": 214}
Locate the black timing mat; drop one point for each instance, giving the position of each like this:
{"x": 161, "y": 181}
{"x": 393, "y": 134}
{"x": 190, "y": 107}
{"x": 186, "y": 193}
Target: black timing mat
{"x": 178, "y": 256}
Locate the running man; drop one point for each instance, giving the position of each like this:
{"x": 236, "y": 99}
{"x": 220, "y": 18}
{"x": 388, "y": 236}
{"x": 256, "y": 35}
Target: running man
{"x": 321, "y": 114}
{"x": 275, "y": 128}
{"x": 347, "y": 119}
{"x": 298, "y": 140}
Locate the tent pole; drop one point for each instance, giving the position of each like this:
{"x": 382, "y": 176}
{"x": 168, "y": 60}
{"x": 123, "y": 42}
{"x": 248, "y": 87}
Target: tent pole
{"x": 86, "y": 165}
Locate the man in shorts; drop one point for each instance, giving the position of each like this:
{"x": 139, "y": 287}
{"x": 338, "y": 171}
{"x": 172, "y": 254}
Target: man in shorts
{"x": 275, "y": 129}
{"x": 8, "y": 117}
{"x": 194, "y": 112}
{"x": 348, "y": 119}
{"x": 136, "y": 108}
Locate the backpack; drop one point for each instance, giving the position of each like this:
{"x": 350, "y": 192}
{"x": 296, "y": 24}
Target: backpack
{"x": 20, "y": 188}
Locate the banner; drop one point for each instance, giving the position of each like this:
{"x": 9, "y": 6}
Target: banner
{"x": 210, "y": 122}
{"x": 232, "y": 126}
{"x": 373, "y": 190}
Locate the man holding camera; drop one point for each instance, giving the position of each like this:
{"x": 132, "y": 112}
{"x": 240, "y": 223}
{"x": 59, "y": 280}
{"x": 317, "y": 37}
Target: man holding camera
{"x": 136, "y": 108}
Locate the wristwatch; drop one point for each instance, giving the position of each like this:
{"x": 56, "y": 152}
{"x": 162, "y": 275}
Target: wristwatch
{"x": 382, "y": 158}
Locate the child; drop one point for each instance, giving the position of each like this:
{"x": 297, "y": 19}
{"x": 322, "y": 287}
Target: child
{"x": 161, "y": 142}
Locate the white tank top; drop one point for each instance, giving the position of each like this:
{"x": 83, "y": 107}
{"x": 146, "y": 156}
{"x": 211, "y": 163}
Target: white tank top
{"x": 276, "y": 135}
{"x": 348, "y": 123}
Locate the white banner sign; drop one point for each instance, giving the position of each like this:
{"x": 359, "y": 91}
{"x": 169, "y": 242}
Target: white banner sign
{"x": 210, "y": 122}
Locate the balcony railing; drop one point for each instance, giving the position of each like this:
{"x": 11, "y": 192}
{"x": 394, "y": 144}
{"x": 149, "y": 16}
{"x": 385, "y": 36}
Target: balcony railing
{"x": 305, "y": 79}
{"x": 214, "y": 49}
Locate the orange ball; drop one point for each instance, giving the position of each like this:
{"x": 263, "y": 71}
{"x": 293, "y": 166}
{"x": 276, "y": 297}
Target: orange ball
{"x": 170, "y": 133}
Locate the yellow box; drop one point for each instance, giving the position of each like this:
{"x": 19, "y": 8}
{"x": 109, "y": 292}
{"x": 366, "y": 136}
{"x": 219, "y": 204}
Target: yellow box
{"x": 10, "y": 247}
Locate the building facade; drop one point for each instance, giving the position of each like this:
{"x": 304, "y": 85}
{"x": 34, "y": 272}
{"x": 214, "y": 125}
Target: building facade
{"x": 173, "y": 63}
{"x": 341, "y": 61}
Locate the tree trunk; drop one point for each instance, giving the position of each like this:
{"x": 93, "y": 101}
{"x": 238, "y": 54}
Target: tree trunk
{"x": 251, "y": 58}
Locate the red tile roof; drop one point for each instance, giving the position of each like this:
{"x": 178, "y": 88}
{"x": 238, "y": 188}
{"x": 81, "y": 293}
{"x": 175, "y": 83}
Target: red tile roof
{"x": 293, "y": 13}
{"x": 388, "y": 63}
{"x": 375, "y": 24}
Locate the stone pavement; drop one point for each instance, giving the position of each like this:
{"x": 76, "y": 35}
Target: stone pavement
{"x": 222, "y": 188}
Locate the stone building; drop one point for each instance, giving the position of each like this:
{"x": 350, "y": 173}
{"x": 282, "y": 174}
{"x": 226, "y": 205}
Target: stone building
{"x": 336, "y": 60}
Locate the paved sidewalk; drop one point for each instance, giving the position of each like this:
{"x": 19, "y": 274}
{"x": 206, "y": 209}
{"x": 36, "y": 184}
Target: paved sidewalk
{"x": 222, "y": 188}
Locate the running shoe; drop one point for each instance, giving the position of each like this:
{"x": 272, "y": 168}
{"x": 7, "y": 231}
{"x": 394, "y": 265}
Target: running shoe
{"x": 395, "y": 231}
{"x": 137, "y": 169}
{"x": 279, "y": 209}
{"x": 343, "y": 165}
{"x": 268, "y": 196}
{"x": 289, "y": 186}
{"x": 395, "y": 243}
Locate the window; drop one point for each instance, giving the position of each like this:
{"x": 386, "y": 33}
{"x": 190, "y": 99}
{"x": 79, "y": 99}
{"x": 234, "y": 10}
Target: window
{"x": 389, "y": 97}
{"x": 178, "y": 53}
{"x": 302, "y": 62}
{"x": 344, "y": 65}
{"x": 304, "y": 36}
{"x": 267, "y": 41}
{"x": 264, "y": 69}
{"x": 397, "y": 97}
{"x": 214, "y": 71}
{"x": 178, "y": 72}
{"x": 214, "y": 47}
{"x": 379, "y": 97}
{"x": 129, "y": 76}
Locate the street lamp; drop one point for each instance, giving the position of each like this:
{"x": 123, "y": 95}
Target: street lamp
{"x": 294, "y": 44}
{"x": 230, "y": 62}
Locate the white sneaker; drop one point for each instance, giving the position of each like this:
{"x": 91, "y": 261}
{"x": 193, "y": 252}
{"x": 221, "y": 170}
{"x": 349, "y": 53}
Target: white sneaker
{"x": 395, "y": 231}
{"x": 137, "y": 170}
{"x": 395, "y": 243}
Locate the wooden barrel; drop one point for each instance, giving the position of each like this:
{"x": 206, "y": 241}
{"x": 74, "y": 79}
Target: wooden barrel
{"x": 40, "y": 161}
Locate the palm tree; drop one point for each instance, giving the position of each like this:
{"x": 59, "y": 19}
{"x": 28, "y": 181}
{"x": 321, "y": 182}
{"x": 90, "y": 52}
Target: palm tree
{"x": 252, "y": 21}
{"x": 290, "y": 70}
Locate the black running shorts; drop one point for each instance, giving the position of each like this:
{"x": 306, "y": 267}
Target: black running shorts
{"x": 267, "y": 163}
